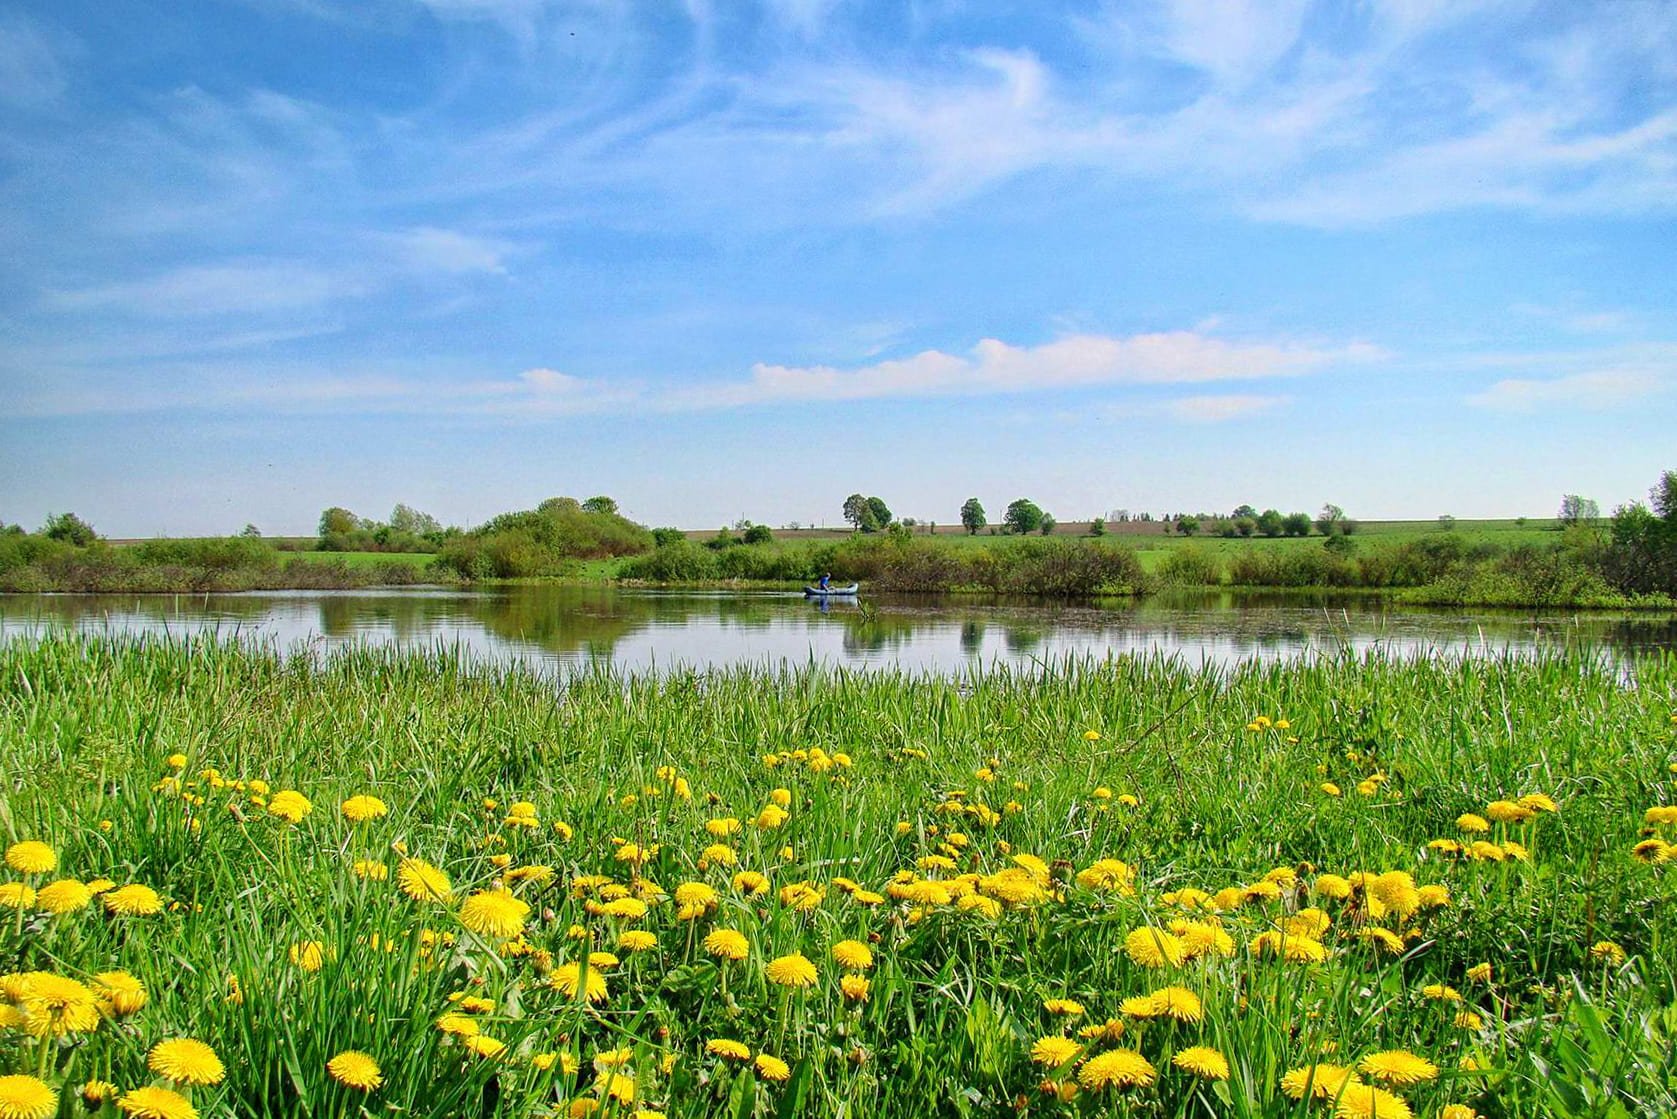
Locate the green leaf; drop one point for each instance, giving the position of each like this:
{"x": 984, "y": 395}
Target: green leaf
{"x": 792, "y": 1099}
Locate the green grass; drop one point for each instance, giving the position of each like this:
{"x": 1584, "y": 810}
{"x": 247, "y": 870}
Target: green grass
{"x": 365, "y": 560}
{"x": 1222, "y": 799}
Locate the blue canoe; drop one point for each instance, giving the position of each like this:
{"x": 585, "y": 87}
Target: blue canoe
{"x": 832, "y": 592}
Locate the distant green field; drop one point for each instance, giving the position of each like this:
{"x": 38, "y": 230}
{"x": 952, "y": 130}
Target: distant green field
{"x": 363, "y": 559}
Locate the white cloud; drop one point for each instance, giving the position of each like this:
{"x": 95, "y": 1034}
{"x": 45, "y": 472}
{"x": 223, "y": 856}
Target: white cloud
{"x": 1595, "y": 391}
{"x": 1234, "y": 40}
{"x": 992, "y": 366}
{"x": 427, "y": 249}
{"x": 253, "y": 287}
{"x": 1219, "y": 409}
{"x": 31, "y": 73}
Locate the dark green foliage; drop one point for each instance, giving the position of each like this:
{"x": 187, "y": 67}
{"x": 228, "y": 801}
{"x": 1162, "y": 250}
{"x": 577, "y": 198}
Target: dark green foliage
{"x": 1270, "y": 523}
{"x": 69, "y": 529}
{"x": 1296, "y": 524}
{"x": 1187, "y": 524}
{"x": 1022, "y": 517}
{"x": 758, "y": 534}
{"x": 664, "y": 537}
{"x": 547, "y": 540}
{"x": 972, "y": 516}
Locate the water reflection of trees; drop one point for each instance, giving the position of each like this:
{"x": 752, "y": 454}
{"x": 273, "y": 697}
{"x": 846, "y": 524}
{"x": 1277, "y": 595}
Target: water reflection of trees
{"x": 580, "y": 621}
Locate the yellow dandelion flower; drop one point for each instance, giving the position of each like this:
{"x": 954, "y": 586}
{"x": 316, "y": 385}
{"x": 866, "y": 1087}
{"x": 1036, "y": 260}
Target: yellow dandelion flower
{"x": 355, "y": 1069}
{"x": 1365, "y": 1101}
{"x": 1607, "y": 950}
{"x": 495, "y": 913}
{"x": 727, "y": 944}
{"x": 67, "y": 895}
{"x": 152, "y": 1102}
{"x": 855, "y": 988}
{"x": 772, "y": 1068}
{"x": 1153, "y": 947}
{"x": 290, "y": 806}
{"x": 613, "y": 1058}
{"x": 1179, "y": 1003}
{"x": 1055, "y": 1052}
{"x": 569, "y": 978}
{"x": 119, "y": 993}
{"x": 1203, "y": 1062}
{"x": 637, "y": 940}
{"x": 96, "y": 1093}
{"x": 1397, "y": 1066}
{"x": 1069, "y": 1007}
{"x": 1319, "y": 1081}
{"x": 186, "y": 1061}
{"x": 1457, "y": 1111}
{"x": 485, "y": 1046}
{"x": 31, "y": 857}
{"x": 853, "y": 955}
{"x": 371, "y": 870}
{"x": 308, "y": 955}
{"x": 1480, "y": 973}
{"x": 26, "y": 1097}
{"x": 1508, "y": 812}
{"x": 1117, "y": 1068}
{"x": 751, "y": 883}
{"x": 421, "y": 881}
{"x": 360, "y": 809}
{"x": 794, "y": 970}
{"x": 1472, "y": 823}
{"x": 54, "y": 1006}
{"x": 624, "y": 909}
{"x": 457, "y": 1024}
{"x": 132, "y": 901}
{"x": 16, "y": 895}
{"x": 728, "y": 1049}
{"x": 1139, "y": 1006}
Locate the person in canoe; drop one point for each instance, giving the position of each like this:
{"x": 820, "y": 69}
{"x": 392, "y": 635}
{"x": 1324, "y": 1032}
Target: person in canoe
{"x": 826, "y": 578}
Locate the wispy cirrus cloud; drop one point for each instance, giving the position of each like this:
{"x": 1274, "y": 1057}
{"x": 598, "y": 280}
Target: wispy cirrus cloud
{"x": 1077, "y": 362}
{"x": 1083, "y": 362}
{"x": 1591, "y": 380}
{"x": 1601, "y": 390}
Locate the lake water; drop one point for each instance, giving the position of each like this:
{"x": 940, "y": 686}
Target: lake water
{"x": 640, "y": 630}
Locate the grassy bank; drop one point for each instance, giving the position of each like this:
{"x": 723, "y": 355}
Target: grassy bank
{"x": 1079, "y": 893}
{"x": 36, "y": 564}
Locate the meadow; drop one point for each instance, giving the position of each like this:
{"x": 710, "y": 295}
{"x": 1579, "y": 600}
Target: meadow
{"x": 395, "y": 883}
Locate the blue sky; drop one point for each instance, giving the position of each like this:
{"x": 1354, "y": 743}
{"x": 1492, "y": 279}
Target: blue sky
{"x": 733, "y": 259}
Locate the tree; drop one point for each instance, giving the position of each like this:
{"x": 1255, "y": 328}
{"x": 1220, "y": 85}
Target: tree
{"x": 881, "y": 512}
{"x": 1187, "y": 524}
{"x": 1296, "y": 524}
{"x": 251, "y": 532}
{"x": 600, "y": 504}
{"x": 338, "y": 521}
{"x": 1270, "y": 522}
{"x": 1446, "y": 523}
{"x": 1097, "y": 527}
{"x": 1330, "y": 520}
{"x": 758, "y": 534}
{"x": 70, "y": 529}
{"x": 1243, "y": 511}
{"x": 407, "y": 519}
{"x": 1578, "y": 510}
{"x": 1246, "y": 525}
{"x": 1022, "y": 517}
{"x": 665, "y": 537}
{"x": 856, "y": 511}
{"x": 1046, "y": 525}
{"x": 972, "y": 516}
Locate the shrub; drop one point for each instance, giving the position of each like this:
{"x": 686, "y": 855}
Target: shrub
{"x": 1191, "y": 566}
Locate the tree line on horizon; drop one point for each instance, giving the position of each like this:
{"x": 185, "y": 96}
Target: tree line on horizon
{"x": 1633, "y": 551}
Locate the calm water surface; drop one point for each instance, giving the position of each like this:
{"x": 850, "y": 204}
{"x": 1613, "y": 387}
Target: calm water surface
{"x": 639, "y": 630}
